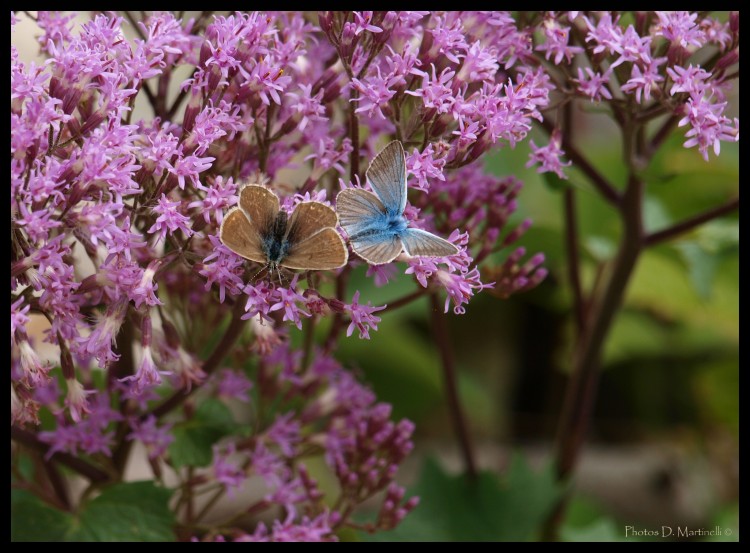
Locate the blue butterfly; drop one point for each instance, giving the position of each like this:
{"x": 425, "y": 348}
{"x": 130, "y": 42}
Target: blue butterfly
{"x": 376, "y": 224}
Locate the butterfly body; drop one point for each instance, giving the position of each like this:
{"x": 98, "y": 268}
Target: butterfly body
{"x": 380, "y": 226}
{"x": 375, "y": 223}
{"x": 258, "y": 230}
{"x": 274, "y": 243}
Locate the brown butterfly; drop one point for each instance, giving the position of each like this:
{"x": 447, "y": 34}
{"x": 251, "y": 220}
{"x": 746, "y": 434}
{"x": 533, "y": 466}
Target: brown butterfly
{"x": 258, "y": 230}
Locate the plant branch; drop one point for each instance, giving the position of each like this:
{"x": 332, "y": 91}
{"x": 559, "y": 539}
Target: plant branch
{"x": 571, "y": 233}
{"x": 404, "y": 300}
{"x": 691, "y": 222}
{"x": 661, "y": 135}
{"x": 610, "y": 193}
{"x": 581, "y": 391}
{"x": 338, "y": 318}
{"x": 30, "y": 440}
{"x": 58, "y": 483}
{"x": 442, "y": 340}
{"x": 122, "y": 368}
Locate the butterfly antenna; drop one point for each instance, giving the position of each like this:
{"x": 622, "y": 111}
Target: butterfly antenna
{"x": 263, "y": 268}
{"x": 278, "y": 273}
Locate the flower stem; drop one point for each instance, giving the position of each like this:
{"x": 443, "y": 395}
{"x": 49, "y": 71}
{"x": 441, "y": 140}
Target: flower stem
{"x": 404, "y": 300}
{"x": 571, "y": 233}
{"x": 354, "y": 135}
{"x": 221, "y": 350}
{"x": 58, "y": 483}
{"x": 442, "y": 340}
{"x": 123, "y": 367}
{"x": 580, "y": 393}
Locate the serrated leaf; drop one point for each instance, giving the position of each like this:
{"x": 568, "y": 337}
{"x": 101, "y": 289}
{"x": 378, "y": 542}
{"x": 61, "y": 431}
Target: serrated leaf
{"x": 132, "y": 511}
{"x": 193, "y": 438}
{"x": 33, "y": 520}
{"x": 456, "y": 508}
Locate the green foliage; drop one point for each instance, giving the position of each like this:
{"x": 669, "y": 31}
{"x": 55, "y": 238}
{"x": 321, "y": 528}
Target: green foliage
{"x": 728, "y": 521}
{"x": 133, "y": 511}
{"x": 704, "y": 251}
{"x": 586, "y": 521}
{"x": 455, "y": 508}
{"x": 601, "y": 530}
{"x": 193, "y": 438}
{"x": 33, "y": 520}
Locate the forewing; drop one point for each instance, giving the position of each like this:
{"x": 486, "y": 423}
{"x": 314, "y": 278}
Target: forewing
{"x": 419, "y": 242}
{"x": 358, "y": 209}
{"x": 307, "y": 219}
{"x": 241, "y": 236}
{"x": 387, "y": 176}
{"x": 260, "y": 205}
{"x": 377, "y": 249}
{"x": 323, "y": 250}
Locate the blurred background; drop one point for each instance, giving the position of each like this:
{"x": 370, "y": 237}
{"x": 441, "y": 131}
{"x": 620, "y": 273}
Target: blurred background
{"x": 663, "y": 444}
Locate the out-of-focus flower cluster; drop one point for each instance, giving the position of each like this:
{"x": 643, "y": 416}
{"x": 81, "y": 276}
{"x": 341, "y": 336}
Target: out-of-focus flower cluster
{"x": 115, "y": 218}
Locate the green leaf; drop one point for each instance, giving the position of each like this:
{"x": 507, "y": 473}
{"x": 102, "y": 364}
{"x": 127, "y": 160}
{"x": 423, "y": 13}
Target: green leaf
{"x": 602, "y": 530}
{"x": 554, "y": 182}
{"x": 654, "y": 215}
{"x": 600, "y": 248}
{"x": 133, "y": 511}
{"x": 701, "y": 267}
{"x": 193, "y": 438}
{"x": 728, "y": 522}
{"x": 455, "y": 508}
{"x": 704, "y": 251}
{"x": 33, "y": 520}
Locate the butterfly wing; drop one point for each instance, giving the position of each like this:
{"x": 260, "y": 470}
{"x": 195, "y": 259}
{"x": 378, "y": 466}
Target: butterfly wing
{"x": 322, "y": 251}
{"x": 363, "y": 216}
{"x": 260, "y": 205}
{"x": 241, "y": 236}
{"x": 307, "y": 219}
{"x": 245, "y": 225}
{"x": 313, "y": 241}
{"x": 358, "y": 209}
{"x": 377, "y": 248}
{"x": 419, "y": 242}
{"x": 387, "y": 176}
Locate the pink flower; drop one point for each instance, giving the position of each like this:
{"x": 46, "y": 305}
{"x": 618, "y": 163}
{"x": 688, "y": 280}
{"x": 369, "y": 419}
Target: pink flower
{"x": 169, "y": 219}
{"x": 148, "y": 375}
{"x": 228, "y": 472}
{"x": 233, "y": 384}
{"x": 549, "y": 156}
{"x": 595, "y": 87}
{"x": 155, "y": 438}
{"x": 362, "y": 317}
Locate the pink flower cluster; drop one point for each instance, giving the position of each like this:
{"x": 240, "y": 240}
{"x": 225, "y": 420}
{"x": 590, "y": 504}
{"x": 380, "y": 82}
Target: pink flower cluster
{"x": 655, "y": 62}
{"x": 115, "y": 212}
